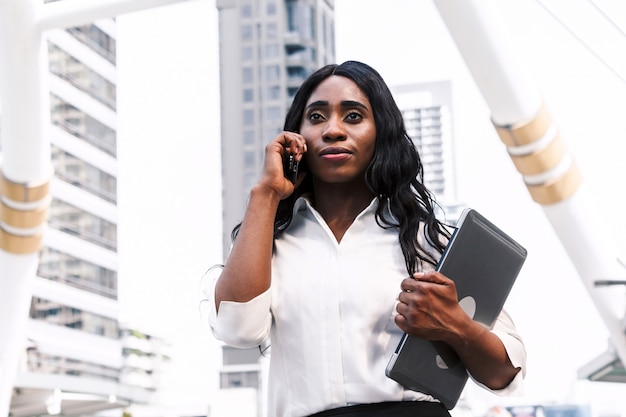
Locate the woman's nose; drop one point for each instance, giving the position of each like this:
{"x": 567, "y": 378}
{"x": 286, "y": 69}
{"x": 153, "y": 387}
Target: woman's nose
{"x": 334, "y": 130}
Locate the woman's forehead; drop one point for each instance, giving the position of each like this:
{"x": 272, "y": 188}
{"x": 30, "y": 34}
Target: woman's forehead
{"x": 338, "y": 88}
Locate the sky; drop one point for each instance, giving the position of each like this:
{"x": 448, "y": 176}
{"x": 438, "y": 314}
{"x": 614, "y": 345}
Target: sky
{"x": 169, "y": 168}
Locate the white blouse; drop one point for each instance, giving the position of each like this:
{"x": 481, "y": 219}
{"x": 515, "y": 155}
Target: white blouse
{"x": 330, "y": 315}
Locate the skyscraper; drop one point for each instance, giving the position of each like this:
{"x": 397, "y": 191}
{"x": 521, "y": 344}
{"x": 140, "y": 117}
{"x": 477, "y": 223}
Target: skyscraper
{"x": 267, "y": 49}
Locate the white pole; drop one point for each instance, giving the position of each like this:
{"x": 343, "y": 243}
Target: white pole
{"x": 25, "y": 173}
{"x": 69, "y": 13}
{"x": 538, "y": 152}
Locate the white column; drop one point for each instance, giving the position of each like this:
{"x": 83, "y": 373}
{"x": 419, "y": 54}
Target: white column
{"x": 538, "y": 152}
{"x": 68, "y": 13}
{"x": 25, "y": 165}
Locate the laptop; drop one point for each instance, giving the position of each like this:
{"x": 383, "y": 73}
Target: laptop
{"x": 484, "y": 262}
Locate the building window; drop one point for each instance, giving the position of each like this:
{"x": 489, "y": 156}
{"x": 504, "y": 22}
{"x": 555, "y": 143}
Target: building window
{"x": 248, "y": 137}
{"x": 74, "y": 318}
{"x": 249, "y": 180}
{"x": 272, "y": 50}
{"x": 81, "y": 76}
{"x": 246, "y": 32}
{"x": 44, "y": 363}
{"x": 300, "y": 19}
{"x": 81, "y": 125}
{"x": 248, "y": 379}
{"x": 83, "y": 175}
{"x": 246, "y": 53}
{"x": 248, "y": 95}
{"x": 273, "y": 92}
{"x": 247, "y": 75}
{"x": 78, "y": 273}
{"x": 82, "y": 224}
{"x": 271, "y": 30}
{"x": 270, "y": 9}
{"x": 246, "y": 10}
{"x": 273, "y": 113}
{"x": 272, "y": 132}
{"x": 249, "y": 159}
{"x": 272, "y": 72}
{"x": 248, "y": 117}
{"x": 96, "y": 39}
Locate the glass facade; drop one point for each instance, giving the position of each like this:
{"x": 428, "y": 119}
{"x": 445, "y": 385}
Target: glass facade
{"x": 70, "y": 69}
{"x": 83, "y": 175}
{"x": 82, "y": 125}
{"x": 87, "y": 226}
{"x": 78, "y": 273}
{"x": 96, "y": 39}
{"x": 74, "y": 318}
{"x": 58, "y": 365}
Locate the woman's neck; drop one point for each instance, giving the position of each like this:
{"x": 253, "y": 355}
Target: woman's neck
{"x": 340, "y": 204}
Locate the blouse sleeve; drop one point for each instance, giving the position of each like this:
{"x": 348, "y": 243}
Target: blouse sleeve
{"x": 241, "y": 325}
{"x": 504, "y": 328}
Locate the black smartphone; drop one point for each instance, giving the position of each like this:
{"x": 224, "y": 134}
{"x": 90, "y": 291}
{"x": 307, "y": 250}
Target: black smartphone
{"x": 290, "y": 166}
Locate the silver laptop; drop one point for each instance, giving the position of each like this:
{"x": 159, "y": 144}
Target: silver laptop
{"x": 483, "y": 262}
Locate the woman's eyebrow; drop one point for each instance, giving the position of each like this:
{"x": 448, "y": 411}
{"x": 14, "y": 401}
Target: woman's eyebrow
{"x": 345, "y": 103}
{"x": 319, "y": 103}
{"x": 352, "y": 103}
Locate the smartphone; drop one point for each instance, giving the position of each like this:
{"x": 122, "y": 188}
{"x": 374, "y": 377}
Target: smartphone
{"x": 290, "y": 166}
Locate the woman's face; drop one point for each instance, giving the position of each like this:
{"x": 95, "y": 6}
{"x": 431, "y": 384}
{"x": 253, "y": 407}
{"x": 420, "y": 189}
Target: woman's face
{"x": 339, "y": 129}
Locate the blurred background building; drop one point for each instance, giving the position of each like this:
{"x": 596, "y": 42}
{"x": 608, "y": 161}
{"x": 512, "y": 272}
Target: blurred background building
{"x": 428, "y": 118}
{"x": 79, "y": 359}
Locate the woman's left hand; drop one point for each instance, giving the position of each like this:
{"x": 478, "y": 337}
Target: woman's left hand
{"x": 428, "y": 307}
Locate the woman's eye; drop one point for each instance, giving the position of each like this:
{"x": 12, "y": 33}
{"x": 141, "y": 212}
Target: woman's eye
{"x": 353, "y": 116}
{"x": 315, "y": 116}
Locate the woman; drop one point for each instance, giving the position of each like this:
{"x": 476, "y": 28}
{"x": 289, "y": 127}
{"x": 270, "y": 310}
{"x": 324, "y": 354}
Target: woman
{"x": 317, "y": 265}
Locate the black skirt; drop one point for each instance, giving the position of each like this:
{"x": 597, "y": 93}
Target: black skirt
{"x": 389, "y": 409}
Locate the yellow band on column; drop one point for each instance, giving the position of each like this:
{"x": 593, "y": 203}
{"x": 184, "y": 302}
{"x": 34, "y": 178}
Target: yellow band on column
{"x": 536, "y": 147}
{"x": 25, "y": 219}
{"x": 525, "y": 132}
{"x": 21, "y": 245}
{"x": 23, "y": 192}
{"x": 541, "y": 160}
{"x": 23, "y": 212}
{"x": 557, "y": 189}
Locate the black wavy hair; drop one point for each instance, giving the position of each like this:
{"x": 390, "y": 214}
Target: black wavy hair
{"x": 395, "y": 174}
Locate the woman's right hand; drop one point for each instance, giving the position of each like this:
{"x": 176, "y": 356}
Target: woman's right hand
{"x": 273, "y": 176}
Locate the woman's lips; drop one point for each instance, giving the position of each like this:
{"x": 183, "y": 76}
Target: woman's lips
{"x": 335, "y": 154}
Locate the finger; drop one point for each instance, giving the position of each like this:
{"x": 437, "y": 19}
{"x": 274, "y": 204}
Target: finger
{"x": 401, "y": 322}
{"x": 403, "y": 298}
{"x": 431, "y": 276}
{"x": 408, "y": 284}
{"x": 402, "y": 308}
{"x": 293, "y": 142}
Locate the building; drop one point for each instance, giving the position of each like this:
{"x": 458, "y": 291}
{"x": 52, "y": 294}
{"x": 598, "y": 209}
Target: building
{"x": 427, "y": 112}
{"x": 267, "y": 49}
{"x": 78, "y": 359}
